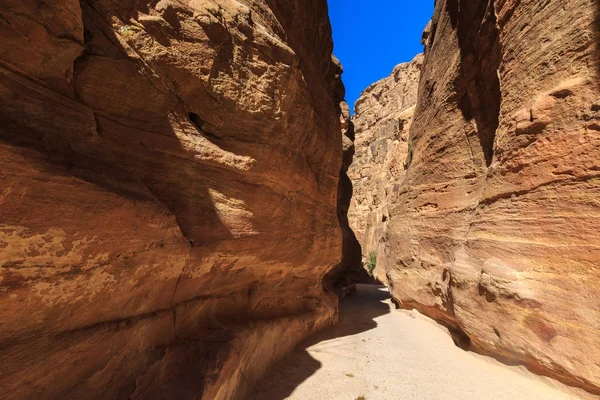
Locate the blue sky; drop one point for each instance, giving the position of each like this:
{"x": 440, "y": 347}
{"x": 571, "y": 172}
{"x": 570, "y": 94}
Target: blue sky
{"x": 371, "y": 37}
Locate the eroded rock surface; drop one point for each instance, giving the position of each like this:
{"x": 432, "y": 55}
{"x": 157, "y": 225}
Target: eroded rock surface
{"x": 494, "y": 228}
{"x": 350, "y": 269}
{"x": 168, "y": 189}
{"x": 383, "y": 115}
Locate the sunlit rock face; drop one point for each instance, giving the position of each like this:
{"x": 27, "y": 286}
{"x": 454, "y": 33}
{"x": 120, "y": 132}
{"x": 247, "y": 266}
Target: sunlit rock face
{"x": 168, "y": 191}
{"x": 382, "y": 119}
{"x": 494, "y": 227}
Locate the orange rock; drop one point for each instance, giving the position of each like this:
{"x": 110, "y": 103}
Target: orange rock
{"x": 168, "y": 192}
{"x": 494, "y": 230}
{"x": 382, "y": 121}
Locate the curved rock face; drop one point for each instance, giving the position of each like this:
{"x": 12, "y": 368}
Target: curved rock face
{"x": 350, "y": 269}
{"x": 168, "y": 190}
{"x": 382, "y": 121}
{"x": 494, "y": 230}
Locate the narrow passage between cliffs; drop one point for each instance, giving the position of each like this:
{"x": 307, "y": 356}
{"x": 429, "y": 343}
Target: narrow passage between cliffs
{"x": 379, "y": 353}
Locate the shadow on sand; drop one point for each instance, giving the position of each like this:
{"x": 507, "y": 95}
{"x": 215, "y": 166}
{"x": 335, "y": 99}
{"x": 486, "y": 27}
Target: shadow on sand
{"x": 357, "y": 314}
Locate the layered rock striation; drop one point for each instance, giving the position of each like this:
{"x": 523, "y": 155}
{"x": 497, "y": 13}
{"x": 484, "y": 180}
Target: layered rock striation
{"x": 383, "y": 115}
{"x": 168, "y": 193}
{"x": 494, "y": 227}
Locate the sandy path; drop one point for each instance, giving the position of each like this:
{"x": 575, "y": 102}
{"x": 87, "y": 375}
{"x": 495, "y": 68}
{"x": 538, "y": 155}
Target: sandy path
{"x": 386, "y": 354}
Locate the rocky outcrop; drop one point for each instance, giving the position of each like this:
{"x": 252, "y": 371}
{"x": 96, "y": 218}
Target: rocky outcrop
{"x": 168, "y": 190}
{"x": 383, "y": 115}
{"x": 494, "y": 230}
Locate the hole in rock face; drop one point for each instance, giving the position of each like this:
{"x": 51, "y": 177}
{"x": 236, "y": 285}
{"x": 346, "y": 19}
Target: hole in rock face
{"x": 562, "y": 94}
{"x": 201, "y": 125}
{"x": 196, "y": 120}
{"x": 460, "y": 338}
{"x": 484, "y": 292}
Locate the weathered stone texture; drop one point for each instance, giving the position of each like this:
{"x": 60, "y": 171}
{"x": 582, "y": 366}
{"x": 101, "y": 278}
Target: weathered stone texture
{"x": 494, "y": 230}
{"x": 382, "y": 119}
{"x": 168, "y": 190}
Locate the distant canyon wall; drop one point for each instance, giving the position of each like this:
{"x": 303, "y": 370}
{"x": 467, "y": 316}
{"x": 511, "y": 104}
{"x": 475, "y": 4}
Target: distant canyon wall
{"x": 169, "y": 178}
{"x": 492, "y": 228}
{"x": 383, "y": 115}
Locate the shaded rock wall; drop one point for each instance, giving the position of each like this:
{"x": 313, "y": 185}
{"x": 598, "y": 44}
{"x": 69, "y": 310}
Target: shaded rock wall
{"x": 350, "y": 270}
{"x": 168, "y": 191}
{"x": 494, "y": 230}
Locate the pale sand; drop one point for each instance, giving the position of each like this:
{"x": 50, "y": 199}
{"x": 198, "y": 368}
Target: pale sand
{"x": 386, "y": 354}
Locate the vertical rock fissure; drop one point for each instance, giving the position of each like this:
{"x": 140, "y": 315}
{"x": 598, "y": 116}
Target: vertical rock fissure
{"x": 479, "y": 97}
{"x": 339, "y": 278}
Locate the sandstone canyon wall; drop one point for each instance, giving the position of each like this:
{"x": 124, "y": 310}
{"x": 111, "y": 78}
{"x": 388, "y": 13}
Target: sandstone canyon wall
{"x": 493, "y": 228}
{"x": 382, "y": 119}
{"x": 168, "y": 190}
